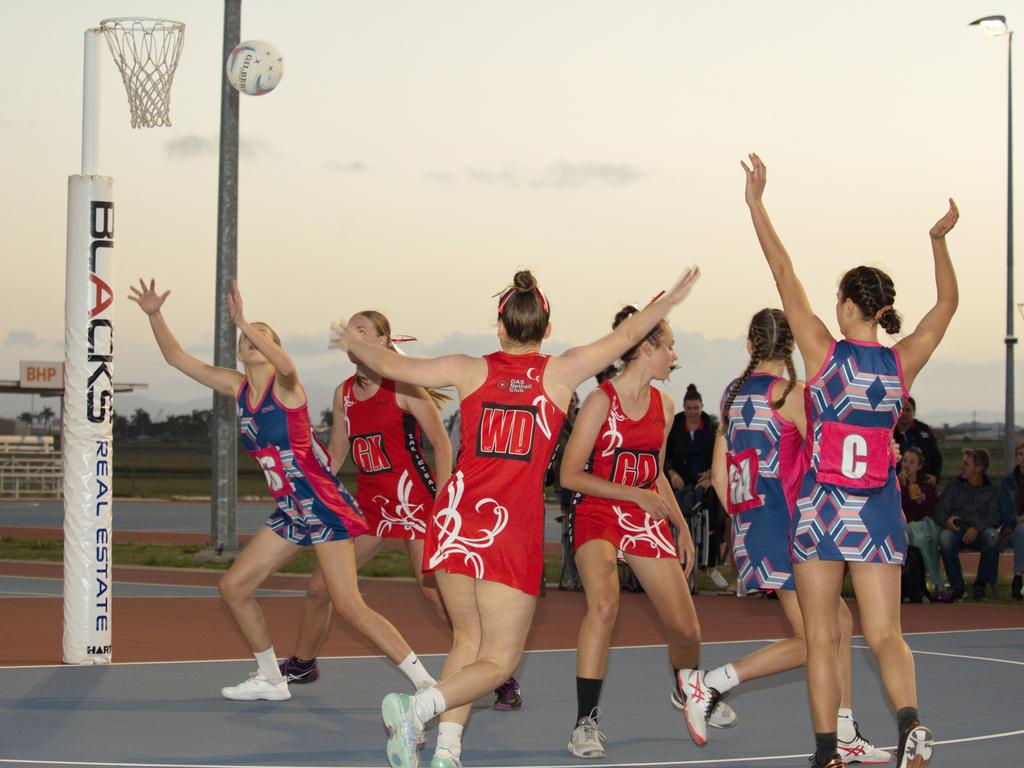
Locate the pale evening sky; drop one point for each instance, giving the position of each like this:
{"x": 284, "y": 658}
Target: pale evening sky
{"x": 416, "y": 154}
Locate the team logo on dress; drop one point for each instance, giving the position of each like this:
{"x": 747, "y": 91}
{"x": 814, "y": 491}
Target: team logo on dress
{"x": 502, "y": 385}
{"x": 638, "y": 468}
{"x": 369, "y": 455}
{"x": 506, "y": 431}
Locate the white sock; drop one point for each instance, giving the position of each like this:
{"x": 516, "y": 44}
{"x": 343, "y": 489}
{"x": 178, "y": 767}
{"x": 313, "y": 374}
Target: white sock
{"x": 449, "y": 737}
{"x": 266, "y": 662}
{"x": 413, "y": 669}
{"x": 845, "y": 729}
{"x": 429, "y": 704}
{"x": 722, "y": 679}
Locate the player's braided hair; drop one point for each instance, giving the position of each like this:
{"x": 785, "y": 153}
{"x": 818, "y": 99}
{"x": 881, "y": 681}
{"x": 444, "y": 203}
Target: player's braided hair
{"x": 874, "y": 293}
{"x": 383, "y": 327}
{"x": 770, "y": 339}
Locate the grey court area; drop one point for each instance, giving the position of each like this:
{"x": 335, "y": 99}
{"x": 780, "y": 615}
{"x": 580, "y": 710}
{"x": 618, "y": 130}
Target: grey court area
{"x": 172, "y": 516}
{"x": 172, "y": 715}
{"x": 32, "y": 586}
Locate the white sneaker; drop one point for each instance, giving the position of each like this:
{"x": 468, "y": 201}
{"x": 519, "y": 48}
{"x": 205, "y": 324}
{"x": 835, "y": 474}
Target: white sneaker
{"x": 860, "y": 750}
{"x": 722, "y": 716}
{"x": 717, "y": 579}
{"x": 698, "y": 703}
{"x": 257, "y": 687}
{"x": 405, "y": 731}
{"x": 587, "y": 741}
{"x": 444, "y": 758}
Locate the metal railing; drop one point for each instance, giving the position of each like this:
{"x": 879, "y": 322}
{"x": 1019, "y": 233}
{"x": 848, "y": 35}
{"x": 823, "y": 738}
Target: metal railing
{"x": 29, "y": 466}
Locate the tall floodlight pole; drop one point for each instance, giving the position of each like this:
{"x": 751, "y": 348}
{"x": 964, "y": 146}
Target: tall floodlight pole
{"x": 224, "y": 493}
{"x": 996, "y": 26}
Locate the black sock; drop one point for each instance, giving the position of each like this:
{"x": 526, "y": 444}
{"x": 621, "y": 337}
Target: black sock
{"x": 824, "y": 747}
{"x": 905, "y": 717}
{"x": 588, "y": 693}
{"x": 302, "y": 665}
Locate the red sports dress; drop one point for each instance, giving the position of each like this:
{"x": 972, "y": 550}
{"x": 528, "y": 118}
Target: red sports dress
{"x": 627, "y": 452}
{"x": 394, "y": 486}
{"x": 488, "y": 522}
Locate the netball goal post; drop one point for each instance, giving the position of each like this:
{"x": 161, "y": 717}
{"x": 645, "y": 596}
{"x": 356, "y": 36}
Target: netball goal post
{"x": 146, "y": 52}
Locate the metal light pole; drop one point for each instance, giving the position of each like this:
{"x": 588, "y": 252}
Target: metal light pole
{"x": 996, "y": 26}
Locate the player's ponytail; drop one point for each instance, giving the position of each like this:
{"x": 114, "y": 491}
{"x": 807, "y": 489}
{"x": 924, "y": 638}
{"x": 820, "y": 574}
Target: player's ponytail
{"x": 382, "y": 325}
{"x": 770, "y": 338}
{"x": 652, "y": 337}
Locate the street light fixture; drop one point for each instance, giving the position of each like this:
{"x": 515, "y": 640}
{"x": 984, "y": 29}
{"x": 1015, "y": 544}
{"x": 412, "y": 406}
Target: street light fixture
{"x": 996, "y": 26}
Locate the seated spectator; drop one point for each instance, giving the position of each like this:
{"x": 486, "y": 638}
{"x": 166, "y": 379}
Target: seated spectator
{"x": 688, "y": 452}
{"x": 919, "y": 501}
{"x": 910, "y": 433}
{"x": 969, "y": 515}
{"x": 1012, "y": 504}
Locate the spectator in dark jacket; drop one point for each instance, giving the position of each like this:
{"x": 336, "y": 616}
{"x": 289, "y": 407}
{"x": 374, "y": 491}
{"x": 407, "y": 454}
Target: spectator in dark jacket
{"x": 1012, "y": 506}
{"x": 911, "y": 433}
{"x": 969, "y": 515}
{"x": 688, "y": 452}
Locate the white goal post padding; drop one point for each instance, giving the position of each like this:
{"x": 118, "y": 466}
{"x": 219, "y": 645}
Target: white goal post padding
{"x": 88, "y": 421}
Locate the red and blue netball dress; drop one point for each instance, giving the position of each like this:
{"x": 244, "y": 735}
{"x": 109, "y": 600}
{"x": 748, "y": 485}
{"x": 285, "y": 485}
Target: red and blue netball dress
{"x": 312, "y": 506}
{"x": 488, "y": 521}
{"x": 394, "y": 486}
{"x": 849, "y": 506}
{"x": 627, "y": 452}
{"x": 765, "y": 463}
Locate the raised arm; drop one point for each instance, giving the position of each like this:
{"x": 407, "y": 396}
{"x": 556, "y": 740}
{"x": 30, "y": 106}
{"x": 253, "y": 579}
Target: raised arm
{"x": 812, "y": 337}
{"x": 287, "y": 375}
{"x": 461, "y": 371}
{"x": 915, "y": 349}
{"x": 338, "y": 446}
{"x": 223, "y": 380}
{"x": 573, "y": 367}
{"x": 420, "y": 404}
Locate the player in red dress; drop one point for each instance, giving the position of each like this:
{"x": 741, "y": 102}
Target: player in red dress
{"x": 849, "y": 510}
{"x": 312, "y": 507}
{"x": 623, "y": 503}
{"x": 485, "y": 541}
{"x": 379, "y": 422}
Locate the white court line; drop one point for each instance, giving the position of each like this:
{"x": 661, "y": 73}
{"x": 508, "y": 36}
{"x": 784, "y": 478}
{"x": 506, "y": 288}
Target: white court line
{"x": 723, "y": 761}
{"x": 953, "y": 656}
{"x": 525, "y": 653}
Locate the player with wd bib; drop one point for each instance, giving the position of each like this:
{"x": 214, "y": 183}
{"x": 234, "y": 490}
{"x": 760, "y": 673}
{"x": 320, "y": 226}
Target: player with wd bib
{"x": 848, "y": 510}
{"x": 757, "y": 469}
{"x": 623, "y": 503}
{"x": 485, "y": 539}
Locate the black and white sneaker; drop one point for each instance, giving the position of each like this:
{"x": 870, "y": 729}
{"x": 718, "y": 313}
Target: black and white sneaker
{"x": 915, "y": 750}
{"x": 297, "y": 673}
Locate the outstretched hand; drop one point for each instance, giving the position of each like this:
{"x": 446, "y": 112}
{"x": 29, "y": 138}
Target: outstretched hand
{"x": 757, "y": 177}
{"x": 146, "y": 296}
{"x": 946, "y": 223}
{"x": 341, "y": 337}
{"x": 235, "y": 305}
{"x": 682, "y": 288}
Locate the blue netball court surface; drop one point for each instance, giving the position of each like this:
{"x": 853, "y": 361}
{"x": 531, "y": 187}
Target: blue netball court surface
{"x": 171, "y": 714}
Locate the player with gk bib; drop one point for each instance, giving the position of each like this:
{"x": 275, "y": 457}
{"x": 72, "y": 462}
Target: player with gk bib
{"x": 848, "y": 511}
{"x": 757, "y": 469}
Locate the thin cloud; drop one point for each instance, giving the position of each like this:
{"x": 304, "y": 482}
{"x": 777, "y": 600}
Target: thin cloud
{"x": 342, "y": 166}
{"x": 23, "y": 339}
{"x": 192, "y": 145}
{"x": 558, "y": 175}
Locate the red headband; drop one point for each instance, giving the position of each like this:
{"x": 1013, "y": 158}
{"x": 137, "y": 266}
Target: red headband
{"x": 401, "y": 339}
{"x": 508, "y": 294}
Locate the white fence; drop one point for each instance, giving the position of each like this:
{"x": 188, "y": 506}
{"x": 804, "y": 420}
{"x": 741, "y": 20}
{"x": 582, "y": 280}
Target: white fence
{"x": 29, "y": 466}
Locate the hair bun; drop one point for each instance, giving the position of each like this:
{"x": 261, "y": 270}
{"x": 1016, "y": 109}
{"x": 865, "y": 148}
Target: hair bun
{"x": 691, "y": 388}
{"x": 524, "y": 281}
{"x": 624, "y": 313}
{"x": 891, "y": 321}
